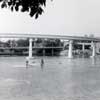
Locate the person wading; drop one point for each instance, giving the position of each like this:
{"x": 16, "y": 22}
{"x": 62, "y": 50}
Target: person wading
{"x": 42, "y": 63}
{"x": 27, "y": 63}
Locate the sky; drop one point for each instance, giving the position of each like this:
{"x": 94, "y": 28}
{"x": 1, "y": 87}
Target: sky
{"x": 61, "y": 17}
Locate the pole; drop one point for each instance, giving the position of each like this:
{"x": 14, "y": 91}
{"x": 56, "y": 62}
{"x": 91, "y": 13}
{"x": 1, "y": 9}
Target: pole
{"x": 70, "y": 49}
{"x": 30, "y": 48}
{"x": 93, "y": 49}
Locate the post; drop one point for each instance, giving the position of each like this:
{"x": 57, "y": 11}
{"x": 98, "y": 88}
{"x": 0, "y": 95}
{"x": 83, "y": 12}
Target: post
{"x": 52, "y": 52}
{"x": 83, "y": 47}
{"x": 30, "y": 48}
{"x": 34, "y": 43}
{"x": 43, "y": 40}
{"x": 52, "y": 48}
{"x": 93, "y": 49}
{"x": 70, "y": 49}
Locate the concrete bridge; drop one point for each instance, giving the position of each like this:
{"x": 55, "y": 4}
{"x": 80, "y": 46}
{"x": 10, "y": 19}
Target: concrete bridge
{"x": 63, "y": 37}
{"x": 93, "y": 40}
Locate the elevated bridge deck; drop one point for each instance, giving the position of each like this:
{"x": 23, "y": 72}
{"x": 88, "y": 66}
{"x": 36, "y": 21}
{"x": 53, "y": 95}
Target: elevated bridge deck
{"x": 64, "y": 37}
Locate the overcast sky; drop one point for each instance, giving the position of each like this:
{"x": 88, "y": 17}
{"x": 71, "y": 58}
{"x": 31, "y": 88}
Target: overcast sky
{"x": 70, "y": 17}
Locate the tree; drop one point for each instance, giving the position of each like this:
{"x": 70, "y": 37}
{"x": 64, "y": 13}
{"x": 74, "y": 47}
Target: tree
{"x": 34, "y": 7}
{"x": 22, "y": 43}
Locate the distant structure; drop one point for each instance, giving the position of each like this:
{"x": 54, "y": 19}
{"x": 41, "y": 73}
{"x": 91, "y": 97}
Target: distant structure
{"x": 90, "y": 35}
{"x": 85, "y": 35}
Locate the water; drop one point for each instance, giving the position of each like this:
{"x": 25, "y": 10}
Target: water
{"x": 60, "y": 79}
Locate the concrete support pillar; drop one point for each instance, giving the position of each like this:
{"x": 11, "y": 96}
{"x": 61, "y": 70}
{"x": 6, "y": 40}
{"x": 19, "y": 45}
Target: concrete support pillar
{"x": 70, "y": 49}
{"x": 43, "y": 40}
{"x": 34, "y": 43}
{"x": 83, "y": 47}
{"x": 30, "y": 48}
{"x": 93, "y": 49}
{"x": 52, "y": 49}
{"x": 52, "y": 52}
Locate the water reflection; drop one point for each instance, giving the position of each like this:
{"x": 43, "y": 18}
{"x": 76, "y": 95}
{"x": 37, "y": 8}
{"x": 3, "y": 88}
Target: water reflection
{"x": 93, "y": 61}
{"x": 61, "y": 78}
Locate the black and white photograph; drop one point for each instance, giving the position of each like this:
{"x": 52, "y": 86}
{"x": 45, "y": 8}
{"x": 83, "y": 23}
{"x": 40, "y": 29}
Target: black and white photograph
{"x": 49, "y": 49}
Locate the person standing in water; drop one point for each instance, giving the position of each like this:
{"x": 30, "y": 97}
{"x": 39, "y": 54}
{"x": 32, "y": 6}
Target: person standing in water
{"x": 27, "y": 63}
{"x": 42, "y": 63}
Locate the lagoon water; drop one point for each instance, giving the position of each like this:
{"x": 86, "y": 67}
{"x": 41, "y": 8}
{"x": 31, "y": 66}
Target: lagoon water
{"x": 60, "y": 79}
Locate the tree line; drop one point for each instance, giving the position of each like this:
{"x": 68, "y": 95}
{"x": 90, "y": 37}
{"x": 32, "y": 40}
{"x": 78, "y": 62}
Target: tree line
{"x": 38, "y": 42}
